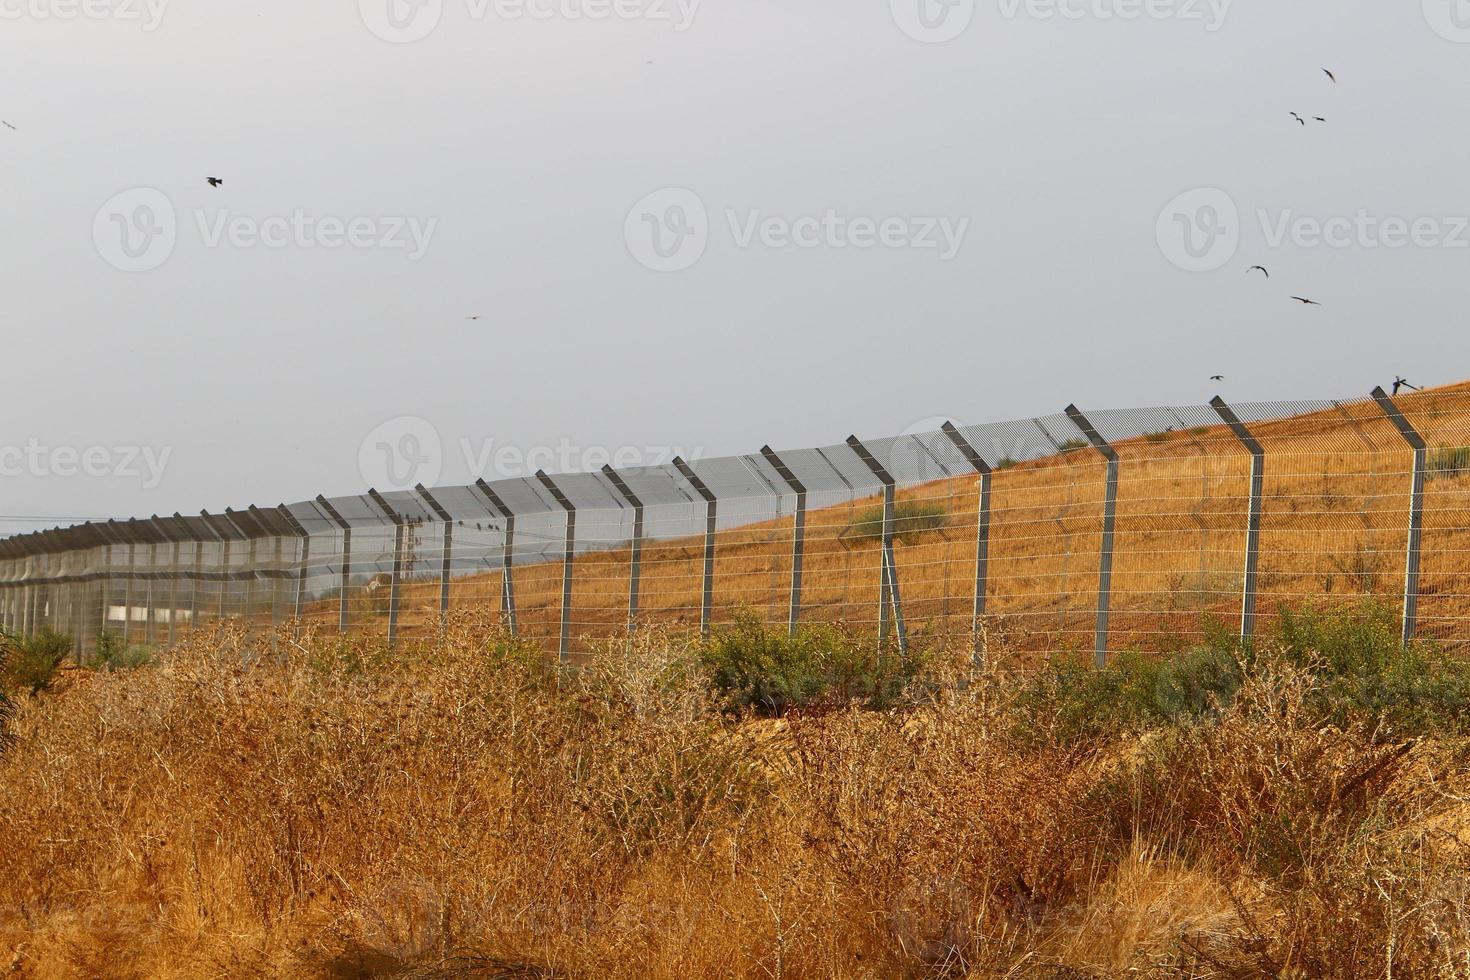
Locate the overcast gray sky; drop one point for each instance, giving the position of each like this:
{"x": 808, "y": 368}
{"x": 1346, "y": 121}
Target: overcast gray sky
{"x": 787, "y": 165}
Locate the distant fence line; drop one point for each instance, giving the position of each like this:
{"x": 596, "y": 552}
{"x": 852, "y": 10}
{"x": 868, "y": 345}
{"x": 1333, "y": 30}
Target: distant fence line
{"x": 1100, "y": 531}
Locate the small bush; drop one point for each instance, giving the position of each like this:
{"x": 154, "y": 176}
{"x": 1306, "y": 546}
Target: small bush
{"x": 911, "y": 520}
{"x": 31, "y": 663}
{"x": 1072, "y": 444}
{"x": 1448, "y": 462}
{"x": 1158, "y": 436}
{"x": 1005, "y": 463}
{"x": 1072, "y": 699}
{"x": 764, "y": 669}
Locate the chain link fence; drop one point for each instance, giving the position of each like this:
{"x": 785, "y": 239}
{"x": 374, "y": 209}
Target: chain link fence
{"x": 1094, "y": 531}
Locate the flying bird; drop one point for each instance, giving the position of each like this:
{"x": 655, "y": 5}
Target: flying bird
{"x": 1330, "y": 75}
{"x": 1261, "y": 267}
{"x": 1401, "y": 383}
{"x": 1217, "y": 377}
{"x": 1306, "y": 302}
{"x": 1299, "y": 119}
{"x": 7, "y": 125}
{"x": 214, "y": 181}
{"x": 1319, "y": 119}
{"x": 475, "y": 317}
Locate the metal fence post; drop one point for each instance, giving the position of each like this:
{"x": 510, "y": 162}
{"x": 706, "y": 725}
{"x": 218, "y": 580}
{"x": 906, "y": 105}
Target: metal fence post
{"x": 711, "y": 514}
{"x": 982, "y": 530}
{"x": 507, "y": 551}
{"x": 798, "y": 534}
{"x": 446, "y": 566}
{"x": 303, "y": 561}
{"x": 171, "y": 539}
{"x": 1253, "y": 518}
{"x": 1416, "y": 509}
{"x": 563, "y": 644}
{"x": 342, "y": 611}
{"x": 397, "y": 574}
{"x": 1110, "y": 518}
{"x": 636, "y": 551}
{"x": 888, "y": 593}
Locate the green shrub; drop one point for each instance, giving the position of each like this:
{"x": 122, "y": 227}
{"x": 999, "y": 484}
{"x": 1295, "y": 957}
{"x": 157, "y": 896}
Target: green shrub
{"x": 765, "y": 669}
{"x": 911, "y": 520}
{"x": 1005, "y": 463}
{"x": 113, "y": 655}
{"x": 1364, "y": 668}
{"x": 1359, "y": 667}
{"x": 1072, "y": 444}
{"x": 1446, "y": 462}
{"x": 32, "y": 662}
{"x": 1072, "y": 699}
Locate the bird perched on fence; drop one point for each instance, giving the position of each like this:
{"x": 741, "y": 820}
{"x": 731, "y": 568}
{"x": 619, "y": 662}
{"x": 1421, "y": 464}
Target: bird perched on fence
{"x": 1399, "y": 382}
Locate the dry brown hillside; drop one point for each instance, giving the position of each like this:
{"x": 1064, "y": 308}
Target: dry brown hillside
{"x": 1334, "y": 526}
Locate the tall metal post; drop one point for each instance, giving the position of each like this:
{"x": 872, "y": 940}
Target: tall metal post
{"x": 889, "y": 595}
{"x": 303, "y": 562}
{"x": 171, "y": 542}
{"x": 446, "y": 565}
{"x": 982, "y": 531}
{"x": 397, "y": 574}
{"x": 570, "y": 546}
{"x": 636, "y": 551}
{"x": 508, "y": 554}
{"x": 343, "y": 616}
{"x": 711, "y": 515}
{"x": 798, "y": 535}
{"x": 1110, "y": 518}
{"x": 1253, "y": 517}
{"x": 1416, "y": 509}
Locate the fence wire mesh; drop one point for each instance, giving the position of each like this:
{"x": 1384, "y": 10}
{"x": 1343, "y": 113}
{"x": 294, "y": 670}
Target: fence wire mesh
{"x": 1015, "y": 527}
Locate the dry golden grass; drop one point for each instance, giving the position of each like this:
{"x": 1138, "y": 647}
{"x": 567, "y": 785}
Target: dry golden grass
{"x": 258, "y": 806}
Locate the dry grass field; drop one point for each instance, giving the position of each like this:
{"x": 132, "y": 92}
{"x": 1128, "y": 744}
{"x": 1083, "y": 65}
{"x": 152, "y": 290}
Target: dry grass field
{"x": 1335, "y": 522}
{"x": 260, "y": 806}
